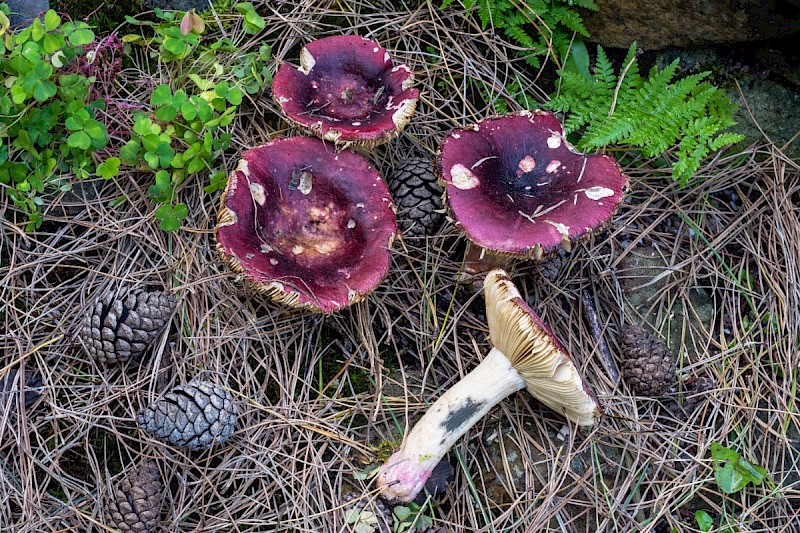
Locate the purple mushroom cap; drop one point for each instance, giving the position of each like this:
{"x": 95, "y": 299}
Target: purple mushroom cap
{"x": 516, "y": 186}
{"x": 347, "y": 90}
{"x": 310, "y": 227}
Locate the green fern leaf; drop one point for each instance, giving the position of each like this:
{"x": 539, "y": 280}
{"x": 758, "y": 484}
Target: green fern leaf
{"x": 586, "y": 4}
{"x": 520, "y": 36}
{"x": 725, "y": 139}
{"x": 653, "y": 114}
{"x": 570, "y": 19}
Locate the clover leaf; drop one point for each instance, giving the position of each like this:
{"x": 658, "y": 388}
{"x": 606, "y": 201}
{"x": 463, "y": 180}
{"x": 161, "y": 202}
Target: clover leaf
{"x": 108, "y": 168}
{"x": 732, "y": 472}
{"x": 171, "y": 216}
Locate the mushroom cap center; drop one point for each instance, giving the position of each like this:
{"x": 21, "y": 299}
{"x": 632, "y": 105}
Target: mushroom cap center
{"x": 346, "y": 96}
{"x": 525, "y": 178}
{"x": 312, "y": 229}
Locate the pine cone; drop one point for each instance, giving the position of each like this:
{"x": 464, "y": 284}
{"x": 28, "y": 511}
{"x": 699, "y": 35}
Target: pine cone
{"x": 365, "y": 512}
{"x": 649, "y": 366}
{"x": 551, "y": 267}
{"x": 418, "y": 197}
{"x": 135, "y": 501}
{"x": 123, "y": 323}
{"x": 196, "y": 415}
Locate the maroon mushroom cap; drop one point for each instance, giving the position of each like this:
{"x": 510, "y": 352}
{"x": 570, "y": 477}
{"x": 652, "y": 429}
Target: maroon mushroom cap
{"x": 516, "y": 185}
{"x": 347, "y": 90}
{"x": 310, "y": 227}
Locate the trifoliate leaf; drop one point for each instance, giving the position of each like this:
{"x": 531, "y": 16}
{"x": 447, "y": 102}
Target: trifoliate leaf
{"x": 161, "y": 95}
{"x": 166, "y": 113}
{"x": 108, "y": 168}
{"x": 79, "y": 139}
{"x": 192, "y": 22}
{"x": 704, "y": 520}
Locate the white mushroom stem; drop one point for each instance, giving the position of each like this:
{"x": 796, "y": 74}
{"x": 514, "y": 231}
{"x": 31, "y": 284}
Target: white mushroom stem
{"x": 525, "y": 355}
{"x": 403, "y": 476}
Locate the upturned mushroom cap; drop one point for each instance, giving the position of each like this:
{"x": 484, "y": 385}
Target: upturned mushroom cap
{"x": 310, "y": 227}
{"x": 516, "y": 186}
{"x": 347, "y": 90}
{"x": 550, "y": 374}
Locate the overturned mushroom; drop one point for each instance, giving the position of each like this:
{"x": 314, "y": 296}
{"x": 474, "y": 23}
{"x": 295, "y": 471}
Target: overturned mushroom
{"x": 347, "y": 90}
{"x": 310, "y": 227}
{"x": 517, "y": 187}
{"x": 525, "y": 355}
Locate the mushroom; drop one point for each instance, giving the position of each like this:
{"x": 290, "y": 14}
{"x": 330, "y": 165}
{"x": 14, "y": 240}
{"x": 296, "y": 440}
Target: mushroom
{"x": 347, "y": 90}
{"x": 307, "y": 226}
{"x": 525, "y": 355}
{"x": 518, "y": 188}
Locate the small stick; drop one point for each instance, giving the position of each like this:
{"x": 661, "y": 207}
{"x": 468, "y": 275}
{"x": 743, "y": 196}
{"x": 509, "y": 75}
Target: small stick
{"x": 590, "y": 314}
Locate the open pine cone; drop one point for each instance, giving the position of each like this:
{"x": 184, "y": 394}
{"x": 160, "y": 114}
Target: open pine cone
{"x": 124, "y": 322}
{"x": 418, "y": 197}
{"x": 135, "y": 501}
{"x": 648, "y": 367}
{"x": 196, "y": 415}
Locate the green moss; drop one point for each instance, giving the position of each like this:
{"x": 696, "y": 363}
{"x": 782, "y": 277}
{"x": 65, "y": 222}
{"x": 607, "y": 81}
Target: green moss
{"x": 106, "y": 19}
{"x": 385, "y": 449}
{"x": 330, "y": 366}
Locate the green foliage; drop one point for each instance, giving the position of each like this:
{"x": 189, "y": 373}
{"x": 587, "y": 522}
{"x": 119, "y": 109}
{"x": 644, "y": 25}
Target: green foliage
{"x": 410, "y": 517}
{"x": 554, "y": 23}
{"x": 652, "y": 114}
{"x": 732, "y": 472}
{"x": 252, "y": 21}
{"x": 183, "y": 138}
{"x": 184, "y": 133}
{"x": 48, "y": 127}
{"x": 704, "y": 520}
{"x": 705, "y": 523}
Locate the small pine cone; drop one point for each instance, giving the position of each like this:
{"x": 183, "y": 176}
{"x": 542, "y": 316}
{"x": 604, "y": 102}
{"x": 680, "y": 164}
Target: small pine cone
{"x": 418, "y": 197}
{"x": 552, "y": 267}
{"x": 649, "y": 366}
{"x": 135, "y": 501}
{"x": 123, "y": 323}
{"x": 366, "y": 512}
{"x": 196, "y": 415}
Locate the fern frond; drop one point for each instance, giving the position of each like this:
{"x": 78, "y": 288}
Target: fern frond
{"x": 725, "y": 139}
{"x": 652, "y": 114}
{"x": 586, "y": 4}
{"x": 520, "y": 36}
{"x": 570, "y": 19}
{"x": 615, "y": 130}
{"x": 490, "y": 12}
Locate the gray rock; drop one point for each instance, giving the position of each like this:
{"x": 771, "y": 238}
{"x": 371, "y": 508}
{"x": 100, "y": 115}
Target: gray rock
{"x": 24, "y": 11}
{"x": 657, "y": 24}
{"x": 178, "y": 5}
{"x": 645, "y": 274}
